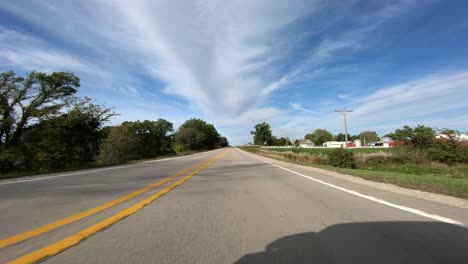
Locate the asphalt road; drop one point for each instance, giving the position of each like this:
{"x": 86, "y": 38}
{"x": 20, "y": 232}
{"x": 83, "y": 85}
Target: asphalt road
{"x": 237, "y": 209}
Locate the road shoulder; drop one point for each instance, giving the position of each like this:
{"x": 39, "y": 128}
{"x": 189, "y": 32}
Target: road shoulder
{"x": 433, "y": 197}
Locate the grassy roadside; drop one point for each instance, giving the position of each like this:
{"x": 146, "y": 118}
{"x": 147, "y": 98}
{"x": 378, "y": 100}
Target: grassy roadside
{"x": 95, "y": 166}
{"x": 453, "y": 186}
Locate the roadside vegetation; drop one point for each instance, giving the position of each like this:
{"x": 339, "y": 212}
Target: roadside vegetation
{"x": 45, "y": 127}
{"x": 422, "y": 162}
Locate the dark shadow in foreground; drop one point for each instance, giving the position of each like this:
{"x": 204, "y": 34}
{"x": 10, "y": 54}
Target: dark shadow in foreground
{"x": 372, "y": 242}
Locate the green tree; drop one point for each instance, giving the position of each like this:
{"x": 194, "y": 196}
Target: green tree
{"x": 319, "y": 136}
{"x": 448, "y": 150}
{"x": 154, "y": 137}
{"x": 368, "y": 137}
{"x": 262, "y": 134}
{"x": 66, "y": 141}
{"x": 104, "y": 133}
{"x": 341, "y": 137}
{"x": 223, "y": 142}
{"x": 119, "y": 146}
{"x": 39, "y": 96}
{"x": 196, "y": 134}
{"x": 10, "y": 96}
{"x": 282, "y": 142}
{"x": 420, "y": 137}
{"x": 296, "y": 143}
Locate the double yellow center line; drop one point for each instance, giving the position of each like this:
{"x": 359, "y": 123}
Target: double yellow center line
{"x": 74, "y": 239}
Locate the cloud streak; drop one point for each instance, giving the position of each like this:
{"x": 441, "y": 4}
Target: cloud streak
{"x": 435, "y": 100}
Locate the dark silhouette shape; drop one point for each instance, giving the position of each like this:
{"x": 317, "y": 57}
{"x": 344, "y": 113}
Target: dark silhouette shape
{"x": 372, "y": 242}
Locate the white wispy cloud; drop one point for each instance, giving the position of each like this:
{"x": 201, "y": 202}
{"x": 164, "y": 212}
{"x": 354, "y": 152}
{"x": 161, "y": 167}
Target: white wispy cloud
{"x": 298, "y": 106}
{"x": 436, "y": 100}
{"x": 343, "y": 96}
{"x": 221, "y": 57}
{"x": 217, "y": 56}
{"x": 33, "y": 54}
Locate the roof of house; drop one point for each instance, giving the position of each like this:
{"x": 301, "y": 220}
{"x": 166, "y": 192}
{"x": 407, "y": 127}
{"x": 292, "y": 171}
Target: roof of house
{"x": 386, "y": 139}
{"x": 305, "y": 141}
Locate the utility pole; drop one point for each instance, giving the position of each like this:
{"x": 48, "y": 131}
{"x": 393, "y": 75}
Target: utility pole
{"x": 343, "y": 112}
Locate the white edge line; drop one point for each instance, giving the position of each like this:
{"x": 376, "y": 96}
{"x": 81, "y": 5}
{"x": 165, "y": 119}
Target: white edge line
{"x": 90, "y": 171}
{"x": 371, "y": 198}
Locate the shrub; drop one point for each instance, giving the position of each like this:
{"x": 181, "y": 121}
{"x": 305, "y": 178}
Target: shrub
{"x": 120, "y": 146}
{"x": 405, "y": 155}
{"x": 342, "y": 158}
{"x": 299, "y": 157}
{"x": 448, "y": 152}
{"x": 374, "y": 158}
{"x": 11, "y": 161}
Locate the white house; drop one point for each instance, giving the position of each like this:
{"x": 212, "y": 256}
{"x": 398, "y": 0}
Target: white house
{"x": 306, "y": 143}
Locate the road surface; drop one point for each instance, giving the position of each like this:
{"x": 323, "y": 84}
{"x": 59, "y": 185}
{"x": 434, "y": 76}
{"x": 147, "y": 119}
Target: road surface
{"x": 229, "y": 207}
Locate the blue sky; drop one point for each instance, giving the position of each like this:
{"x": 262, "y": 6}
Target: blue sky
{"x": 237, "y": 63}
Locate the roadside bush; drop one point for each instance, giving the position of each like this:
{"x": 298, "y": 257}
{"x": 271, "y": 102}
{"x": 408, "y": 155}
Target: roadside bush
{"x": 299, "y": 157}
{"x": 11, "y": 161}
{"x": 405, "y": 155}
{"x": 120, "y": 146}
{"x": 448, "y": 152}
{"x": 374, "y": 158}
{"x": 342, "y": 158}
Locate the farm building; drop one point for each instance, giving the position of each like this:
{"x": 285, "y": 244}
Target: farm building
{"x": 337, "y": 144}
{"x": 306, "y": 143}
{"x": 386, "y": 142}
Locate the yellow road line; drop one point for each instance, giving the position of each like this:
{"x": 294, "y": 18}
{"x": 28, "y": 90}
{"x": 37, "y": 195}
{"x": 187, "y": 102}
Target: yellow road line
{"x": 59, "y": 223}
{"x": 74, "y": 239}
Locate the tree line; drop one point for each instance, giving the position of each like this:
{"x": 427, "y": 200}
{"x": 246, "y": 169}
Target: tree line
{"x": 262, "y": 135}
{"x": 45, "y": 127}
{"x": 419, "y": 137}
{"x": 419, "y": 141}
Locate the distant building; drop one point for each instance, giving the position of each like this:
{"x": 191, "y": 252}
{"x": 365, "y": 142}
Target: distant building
{"x": 459, "y": 137}
{"x": 357, "y": 143}
{"x": 306, "y": 143}
{"x": 337, "y": 144}
{"x": 463, "y": 137}
{"x": 386, "y": 142}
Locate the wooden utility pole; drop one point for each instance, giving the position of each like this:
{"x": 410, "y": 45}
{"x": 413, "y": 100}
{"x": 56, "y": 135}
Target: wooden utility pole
{"x": 343, "y": 112}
